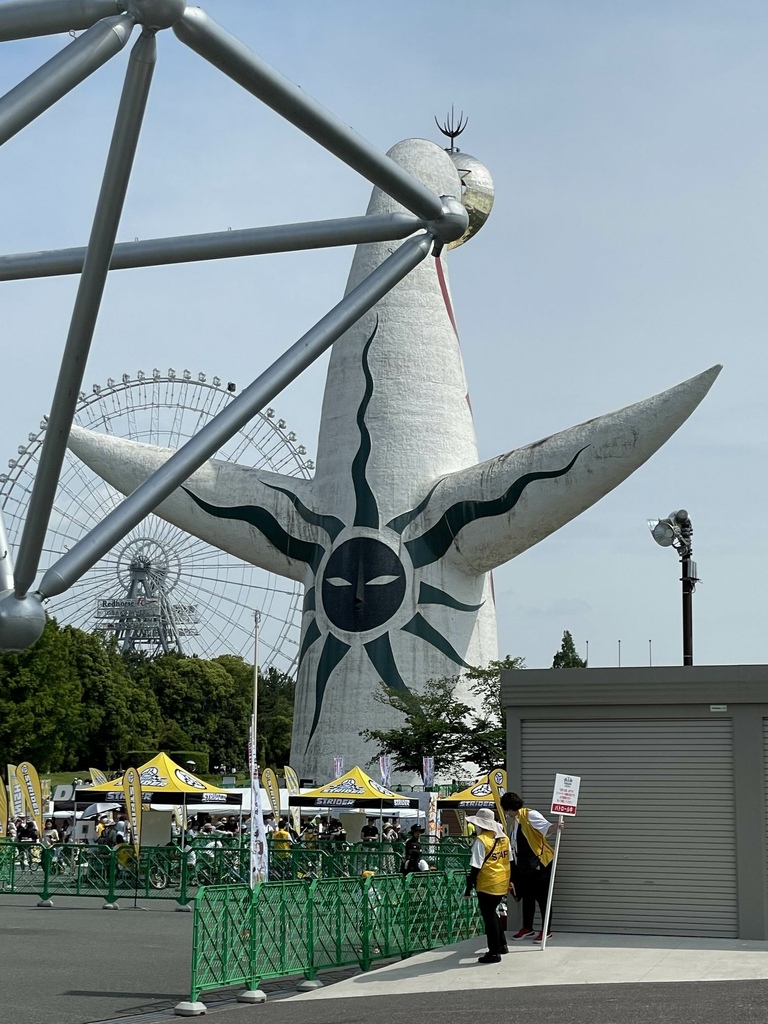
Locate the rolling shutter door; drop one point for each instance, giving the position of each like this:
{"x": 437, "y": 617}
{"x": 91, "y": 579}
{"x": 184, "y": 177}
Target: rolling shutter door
{"x": 652, "y": 849}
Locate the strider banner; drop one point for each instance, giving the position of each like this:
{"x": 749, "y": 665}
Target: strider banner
{"x": 292, "y": 785}
{"x": 133, "y": 797}
{"x": 259, "y": 849}
{"x": 14, "y": 792}
{"x": 269, "y": 779}
{"x": 27, "y": 776}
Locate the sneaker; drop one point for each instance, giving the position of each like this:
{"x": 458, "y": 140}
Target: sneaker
{"x": 540, "y": 936}
{"x": 522, "y": 934}
{"x": 503, "y": 950}
{"x": 489, "y": 958}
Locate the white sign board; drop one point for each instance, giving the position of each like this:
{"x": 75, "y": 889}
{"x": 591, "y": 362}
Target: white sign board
{"x": 566, "y": 794}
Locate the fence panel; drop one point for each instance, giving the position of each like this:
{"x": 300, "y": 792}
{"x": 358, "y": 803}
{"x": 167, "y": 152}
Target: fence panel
{"x": 293, "y": 927}
{"x": 221, "y": 938}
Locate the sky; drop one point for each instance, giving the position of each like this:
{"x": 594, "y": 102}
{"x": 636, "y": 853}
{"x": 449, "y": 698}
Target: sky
{"x": 626, "y": 252}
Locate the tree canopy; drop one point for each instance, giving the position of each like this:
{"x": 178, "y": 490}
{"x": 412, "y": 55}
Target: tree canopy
{"x": 438, "y": 723}
{"x": 73, "y": 700}
{"x": 567, "y": 656}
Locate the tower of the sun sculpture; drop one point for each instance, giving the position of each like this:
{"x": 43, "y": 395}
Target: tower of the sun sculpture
{"x": 395, "y": 537}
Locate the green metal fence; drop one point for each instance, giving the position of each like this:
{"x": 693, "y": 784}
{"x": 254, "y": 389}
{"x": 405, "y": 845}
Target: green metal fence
{"x": 283, "y": 929}
{"x": 170, "y": 873}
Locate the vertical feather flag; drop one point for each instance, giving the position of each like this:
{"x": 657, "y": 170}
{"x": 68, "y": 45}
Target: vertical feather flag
{"x": 3, "y": 810}
{"x": 97, "y": 776}
{"x": 497, "y": 780}
{"x": 293, "y": 787}
{"x": 133, "y": 797}
{"x": 14, "y": 791}
{"x": 259, "y": 849}
{"x": 30, "y": 791}
{"x": 269, "y": 779}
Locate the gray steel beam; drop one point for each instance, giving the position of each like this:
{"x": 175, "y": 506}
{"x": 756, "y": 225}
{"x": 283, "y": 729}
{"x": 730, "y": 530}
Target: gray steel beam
{"x": 217, "y": 245}
{"x": 22, "y": 19}
{"x": 62, "y": 73}
{"x": 192, "y": 455}
{"x": 6, "y": 560}
{"x": 106, "y": 219}
{"x": 203, "y": 35}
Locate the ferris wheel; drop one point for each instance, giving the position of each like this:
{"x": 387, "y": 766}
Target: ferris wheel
{"x": 160, "y": 589}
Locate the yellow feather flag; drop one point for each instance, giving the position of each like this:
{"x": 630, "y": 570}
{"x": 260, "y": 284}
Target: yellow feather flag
{"x": 132, "y": 790}
{"x": 497, "y": 780}
{"x": 3, "y": 811}
{"x": 14, "y": 791}
{"x": 269, "y": 779}
{"x": 31, "y": 793}
{"x": 97, "y": 776}
{"x": 292, "y": 785}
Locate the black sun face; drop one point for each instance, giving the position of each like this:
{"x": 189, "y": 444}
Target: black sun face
{"x": 363, "y": 585}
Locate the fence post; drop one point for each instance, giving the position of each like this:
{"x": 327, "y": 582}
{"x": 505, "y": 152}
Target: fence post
{"x": 311, "y": 981}
{"x": 183, "y": 898}
{"x": 367, "y": 921}
{"x": 111, "y": 901}
{"x": 193, "y": 1007}
{"x": 252, "y": 994}
{"x": 407, "y": 931}
{"x": 46, "y": 858}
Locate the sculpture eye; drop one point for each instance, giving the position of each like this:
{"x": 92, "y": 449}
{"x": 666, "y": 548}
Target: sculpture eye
{"x": 379, "y": 581}
{"x": 337, "y": 581}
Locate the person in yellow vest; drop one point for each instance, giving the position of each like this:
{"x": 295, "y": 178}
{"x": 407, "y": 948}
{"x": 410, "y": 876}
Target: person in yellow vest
{"x": 531, "y": 863}
{"x": 280, "y": 846}
{"x": 489, "y": 874}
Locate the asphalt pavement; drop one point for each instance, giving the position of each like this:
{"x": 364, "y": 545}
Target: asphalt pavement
{"x": 78, "y": 964}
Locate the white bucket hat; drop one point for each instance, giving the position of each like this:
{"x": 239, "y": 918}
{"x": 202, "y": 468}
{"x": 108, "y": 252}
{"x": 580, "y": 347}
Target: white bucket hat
{"x": 485, "y": 819}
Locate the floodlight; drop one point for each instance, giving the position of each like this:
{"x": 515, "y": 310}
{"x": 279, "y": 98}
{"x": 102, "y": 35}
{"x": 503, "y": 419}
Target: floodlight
{"x": 662, "y": 531}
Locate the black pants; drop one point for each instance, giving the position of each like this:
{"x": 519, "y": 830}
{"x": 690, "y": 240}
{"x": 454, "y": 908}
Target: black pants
{"x": 487, "y": 903}
{"x": 534, "y": 889}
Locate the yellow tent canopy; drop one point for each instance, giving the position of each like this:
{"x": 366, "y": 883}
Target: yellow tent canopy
{"x": 353, "y": 789}
{"x": 479, "y": 794}
{"x": 165, "y": 782}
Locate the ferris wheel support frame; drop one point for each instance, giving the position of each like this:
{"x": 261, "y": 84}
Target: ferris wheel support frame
{"x": 444, "y": 219}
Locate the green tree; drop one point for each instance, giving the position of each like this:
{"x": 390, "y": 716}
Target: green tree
{"x": 73, "y": 700}
{"x": 122, "y": 712}
{"x": 567, "y": 656}
{"x": 42, "y": 715}
{"x": 276, "y": 698}
{"x": 489, "y": 736}
{"x": 434, "y": 722}
{"x": 437, "y": 722}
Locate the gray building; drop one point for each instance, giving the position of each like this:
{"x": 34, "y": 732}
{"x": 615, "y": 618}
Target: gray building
{"x": 670, "y": 835}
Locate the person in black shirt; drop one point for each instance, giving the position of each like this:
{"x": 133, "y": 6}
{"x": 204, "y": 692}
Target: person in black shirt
{"x": 370, "y": 833}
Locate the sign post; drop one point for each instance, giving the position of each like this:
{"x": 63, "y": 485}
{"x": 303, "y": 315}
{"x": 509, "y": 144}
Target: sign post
{"x": 564, "y": 801}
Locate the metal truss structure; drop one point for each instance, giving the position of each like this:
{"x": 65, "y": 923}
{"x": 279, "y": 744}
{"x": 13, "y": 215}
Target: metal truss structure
{"x": 108, "y": 25}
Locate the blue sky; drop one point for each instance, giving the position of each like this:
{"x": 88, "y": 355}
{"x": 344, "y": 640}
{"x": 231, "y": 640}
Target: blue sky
{"x": 626, "y": 252}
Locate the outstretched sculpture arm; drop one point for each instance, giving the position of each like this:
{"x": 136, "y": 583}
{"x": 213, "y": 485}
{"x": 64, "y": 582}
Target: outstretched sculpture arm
{"x": 250, "y": 513}
{"x": 480, "y": 517}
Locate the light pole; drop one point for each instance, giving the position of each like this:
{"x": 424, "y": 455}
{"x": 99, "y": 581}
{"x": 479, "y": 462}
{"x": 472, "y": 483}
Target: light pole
{"x": 676, "y": 531}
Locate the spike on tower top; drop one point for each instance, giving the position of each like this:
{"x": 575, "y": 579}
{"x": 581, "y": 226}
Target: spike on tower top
{"x": 452, "y": 128}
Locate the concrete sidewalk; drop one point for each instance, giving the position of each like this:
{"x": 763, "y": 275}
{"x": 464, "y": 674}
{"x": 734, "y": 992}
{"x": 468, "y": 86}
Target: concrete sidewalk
{"x": 569, "y": 959}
